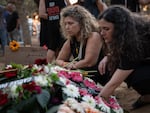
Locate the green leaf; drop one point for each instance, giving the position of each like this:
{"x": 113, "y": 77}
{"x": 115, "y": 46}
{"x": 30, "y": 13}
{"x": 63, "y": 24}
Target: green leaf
{"x": 54, "y": 77}
{"x": 43, "y": 98}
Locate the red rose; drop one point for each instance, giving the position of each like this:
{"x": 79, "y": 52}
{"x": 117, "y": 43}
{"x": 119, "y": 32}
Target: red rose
{"x": 40, "y": 61}
{"x": 32, "y": 87}
{"x": 3, "y": 98}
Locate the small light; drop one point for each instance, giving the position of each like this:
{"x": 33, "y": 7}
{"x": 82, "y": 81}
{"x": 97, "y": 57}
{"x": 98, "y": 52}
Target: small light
{"x": 73, "y": 1}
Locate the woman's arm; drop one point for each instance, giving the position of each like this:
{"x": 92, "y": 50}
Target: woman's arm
{"x": 42, "y": 10}
{"x": 64, "y": 54}
{"x": 101, "y": 5}
{"x": 93, "y": 47}
{"x": 118, "y": 77}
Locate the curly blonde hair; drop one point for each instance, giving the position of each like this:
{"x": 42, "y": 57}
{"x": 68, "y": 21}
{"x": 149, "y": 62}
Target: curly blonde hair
{"x": 86, "y": 20}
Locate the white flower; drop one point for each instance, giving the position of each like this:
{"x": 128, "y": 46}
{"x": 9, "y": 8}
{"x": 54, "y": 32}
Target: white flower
{"x": 63, "y": 80}
{"x": 55, "y": 69}
{"x": 74, "y": 105}
{"x": 35, "y": 66}
{"x": 90, "y": 100}
{"x": 41, "y": 80}
{"x": 71, "y": 91}
{"x": 13, "y": 91}
{"x": 46, "y": 69}
{"x": 8, "y": 66}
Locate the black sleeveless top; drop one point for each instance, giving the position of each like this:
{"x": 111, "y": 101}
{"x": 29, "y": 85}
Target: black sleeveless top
{"x": 75, "y": 46}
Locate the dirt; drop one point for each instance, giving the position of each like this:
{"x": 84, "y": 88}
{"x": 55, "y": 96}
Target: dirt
{"x": 126, "y": 97}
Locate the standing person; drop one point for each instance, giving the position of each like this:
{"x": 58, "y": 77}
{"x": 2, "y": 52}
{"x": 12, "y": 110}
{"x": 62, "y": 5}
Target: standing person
{"x": 3, "y": 30}
{"x": 50, "y": 36}
{"x": 127, "y": 37}
{"x": 13, "y": 22}
{"x": 80, "y": 28}
{"x": 133, "y": 5}
{"x": 94, "y": 6}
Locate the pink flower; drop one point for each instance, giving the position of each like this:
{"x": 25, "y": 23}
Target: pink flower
{"x": 83, "y": 92}
{"x": 76, "y": 76}
{"x": 64, "y": 74}
{"x": 90, "y": 84}
{"x": 113, "y": 103}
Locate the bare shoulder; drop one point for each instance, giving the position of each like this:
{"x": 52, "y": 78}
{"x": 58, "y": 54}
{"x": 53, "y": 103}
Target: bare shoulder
{"x": 95, "y": 36}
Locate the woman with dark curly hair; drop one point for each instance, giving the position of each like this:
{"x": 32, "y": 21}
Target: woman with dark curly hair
{"x": 127, "y": 38}
{"x": 83, "y": 42}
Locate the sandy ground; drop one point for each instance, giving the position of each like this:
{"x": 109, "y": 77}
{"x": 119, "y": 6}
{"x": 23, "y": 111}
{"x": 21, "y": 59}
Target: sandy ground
{"x": 124, "y": 95}
{"x": 127, "y": 96}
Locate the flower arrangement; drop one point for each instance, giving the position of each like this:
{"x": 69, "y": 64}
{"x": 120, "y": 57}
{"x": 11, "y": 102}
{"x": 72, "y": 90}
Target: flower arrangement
{"x": 42, "y": 88}
{"x": 14, "y": 45}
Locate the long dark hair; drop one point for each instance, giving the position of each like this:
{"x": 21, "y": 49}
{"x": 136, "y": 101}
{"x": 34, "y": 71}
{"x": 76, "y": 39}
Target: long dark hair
{"x": 125, "y": 39}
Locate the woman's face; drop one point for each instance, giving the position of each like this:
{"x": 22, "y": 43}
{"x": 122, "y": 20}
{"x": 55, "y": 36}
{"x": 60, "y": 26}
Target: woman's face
{"x": 72, "y": 27}
{"x": 106, "y": 30}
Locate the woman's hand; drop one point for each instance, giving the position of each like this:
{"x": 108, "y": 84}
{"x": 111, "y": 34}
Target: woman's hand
{"x": 102, "y": 65}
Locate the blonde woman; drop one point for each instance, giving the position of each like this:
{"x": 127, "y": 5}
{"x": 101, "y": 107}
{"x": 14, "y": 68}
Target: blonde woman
{"x": 83, "y": 42}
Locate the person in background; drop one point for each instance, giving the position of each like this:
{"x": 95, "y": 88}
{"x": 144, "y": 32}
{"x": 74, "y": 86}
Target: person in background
{"x": 83, "y": 43}
{"x": 133, "y": 5}
{"x": 3, "y": 30}
{"x": 95, "y": 7}
{"x": 127, "y": 38}
{"x": 50, "y": 36}
{"x": 13, "y": 22}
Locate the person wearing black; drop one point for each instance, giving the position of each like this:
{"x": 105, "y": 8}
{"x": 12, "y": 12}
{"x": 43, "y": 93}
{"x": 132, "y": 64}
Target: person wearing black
{"x": 13, "y": 22}
{"x": 50, "y": 36}
{"x": 133, "y": 5}
{"x": 127, "y": 36}
{"x": 95, "y": 7}
{"x": 83, "y": 44}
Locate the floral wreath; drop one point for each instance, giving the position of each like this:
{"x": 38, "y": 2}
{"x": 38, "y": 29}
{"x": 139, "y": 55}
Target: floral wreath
{"x": 47, "y": 86}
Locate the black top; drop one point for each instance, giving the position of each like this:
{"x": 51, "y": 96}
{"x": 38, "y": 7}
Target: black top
{"x": 75, "y": 46}
{"x": 12, "y": 21}
{"x": 133, "y": 5}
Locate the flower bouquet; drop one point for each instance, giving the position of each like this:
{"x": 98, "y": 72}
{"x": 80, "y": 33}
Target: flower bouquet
{"x": 42, "y": 88}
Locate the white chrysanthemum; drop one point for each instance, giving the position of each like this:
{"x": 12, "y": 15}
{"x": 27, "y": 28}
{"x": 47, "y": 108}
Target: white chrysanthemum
{"x": 104, "y": 107}
{"x": 41, "y": 80}
{"x": 90, "y": 100}
{"x": 55, "y": 69}
{"x": 13, "y": 91}
{"x": 74, "y": 105}
{"x": 120, "y": 110}
{"x": 35, "y": 66}
{"x": 8, "y": 66}
{"x": 46, "y": 69}
{"x": 71, "y": 91}
{"x": 63, "y": 80}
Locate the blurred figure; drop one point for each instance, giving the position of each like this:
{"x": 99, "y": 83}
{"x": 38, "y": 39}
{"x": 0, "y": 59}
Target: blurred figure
{"x": 3, "y": 30}
{"x": 36, "y": 25}
{"x": 133, "y": 5}
{"x": 50, "y": 36}
{"x": 13, "y": 23}
{"x": 95, "y": 7}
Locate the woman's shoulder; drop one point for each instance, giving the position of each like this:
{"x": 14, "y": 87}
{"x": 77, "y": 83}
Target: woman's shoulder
{"x": 95, "y": 35}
